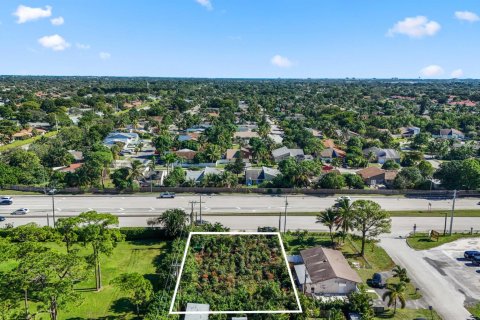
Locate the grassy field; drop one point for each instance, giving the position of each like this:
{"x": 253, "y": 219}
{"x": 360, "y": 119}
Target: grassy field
{"x": 20, "y": 143}
{"x": 409, "y": 314}
{"x": 475, "y": 310}
{"x": 109, "y": 303}
{"x": 421, "y": 241}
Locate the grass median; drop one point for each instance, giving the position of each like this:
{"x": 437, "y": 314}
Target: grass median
{"x": 421, "y": 241}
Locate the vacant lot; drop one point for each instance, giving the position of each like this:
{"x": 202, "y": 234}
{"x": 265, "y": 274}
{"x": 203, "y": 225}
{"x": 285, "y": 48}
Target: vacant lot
{"x": 236, "y": 272}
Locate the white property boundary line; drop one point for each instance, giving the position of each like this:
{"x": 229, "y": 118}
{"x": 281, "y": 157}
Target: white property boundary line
{"x": 234, "y": 312}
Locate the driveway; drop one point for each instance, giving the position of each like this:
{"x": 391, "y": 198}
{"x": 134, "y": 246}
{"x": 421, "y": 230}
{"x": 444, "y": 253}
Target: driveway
{"x": 433, "y": 272}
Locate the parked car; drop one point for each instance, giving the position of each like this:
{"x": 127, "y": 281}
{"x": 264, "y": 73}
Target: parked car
{"x": 377, "y": 281}
{"x": 2, "y": 218}
{"x": 470, "y": 254}
{"x": 6, "y": 200}
{"x": 167, "y": 194}
{"x": 476, "y": 260}
{"x": 20, "y": 211}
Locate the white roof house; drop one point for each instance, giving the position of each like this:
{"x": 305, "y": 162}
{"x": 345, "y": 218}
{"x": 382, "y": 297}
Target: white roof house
{"x": 127, "y": 138}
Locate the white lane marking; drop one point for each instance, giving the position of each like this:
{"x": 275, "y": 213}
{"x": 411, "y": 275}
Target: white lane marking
{"x": 238, "y": 208}
{"x": 121, "y": 209}
{"x": 151, "y": 209}
{"x": 90, "y": 209}
{"x": 59, "y": 209}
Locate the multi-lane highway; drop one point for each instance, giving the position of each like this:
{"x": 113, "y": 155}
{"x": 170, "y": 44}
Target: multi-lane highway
{"x": 134, "y": 210}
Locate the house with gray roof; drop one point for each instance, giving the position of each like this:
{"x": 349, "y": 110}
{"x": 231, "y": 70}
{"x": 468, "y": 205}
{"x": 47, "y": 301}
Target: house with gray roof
{"x": 325, "y": 272}
{"x": 258, "y": 175}
{"x": 127, "y": 138}
{"x": 375, "y": 154}
{"x": 284, "y": 153}
{"x": 451, "y": 134}
{"x": 197, "y": 176}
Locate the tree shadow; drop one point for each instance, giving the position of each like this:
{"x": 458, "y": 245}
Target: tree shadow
{"x": 122, "y": 305}
{"x": 86, "y": 289}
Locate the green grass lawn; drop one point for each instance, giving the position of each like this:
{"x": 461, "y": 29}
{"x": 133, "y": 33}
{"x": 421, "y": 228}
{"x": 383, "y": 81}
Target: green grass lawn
{"x": 421, "y": 241}
{"x": 110, "y": 303}
{"x": 409, "y": 314}
{"x": 411, "y": 293}
{"x": 475, "y": 310}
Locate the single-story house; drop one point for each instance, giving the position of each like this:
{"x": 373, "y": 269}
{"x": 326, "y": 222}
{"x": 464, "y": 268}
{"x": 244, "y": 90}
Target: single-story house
{"x": 71, "y": 168}
{"x": 259, "y": 175}
{"x": 326, "y": 272}
{"x": 284, "y": 153}
{"x": 127, "y": 138}
{"x": 198, "y": 175}
{"x": 331, "y": 153}
{"x": 77, "y": 155}
{"x": 28, "y": 133}
{"x": 232, "y": 154}
{"x": 189, "y": 136}
{"x": 379, "y": 155}
{"x": 197, "y": 307}
{"x": 451, "y": 134}
{"x": 186, "y": 154}
{"x": 245, "y": 135}
{"x": 374, "y": 175}
{"x": 409, "y": 131}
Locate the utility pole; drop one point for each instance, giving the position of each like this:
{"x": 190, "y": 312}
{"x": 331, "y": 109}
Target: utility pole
{"x": 48, "y": 220}
{"x": 285, "y": 220}
{"x": 201, "y": 220}
{"x": 193, "y": 203}
{"x": 453, "y": 210}
{"x": 280, "y": 222}
{"x": 53, "y": 206}
{"x": 191, "y": 213}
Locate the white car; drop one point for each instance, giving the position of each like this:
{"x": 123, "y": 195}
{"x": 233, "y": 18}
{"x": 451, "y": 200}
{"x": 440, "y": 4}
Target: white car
{"x": 164, "y": 195}
{"x": 6, "y": 198}
{"x": 344, "y": 198}
{"x": 21, "y": 211}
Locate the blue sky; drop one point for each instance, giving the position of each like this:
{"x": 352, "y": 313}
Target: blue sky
{"x": 241, "y": 38}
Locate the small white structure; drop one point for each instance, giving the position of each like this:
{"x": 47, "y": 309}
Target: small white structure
{"x": 127, "y": 138}
{"x": 197, "y": 307}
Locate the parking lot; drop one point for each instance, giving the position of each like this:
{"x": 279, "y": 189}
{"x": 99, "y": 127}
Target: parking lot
{"x": 448, "y": 260}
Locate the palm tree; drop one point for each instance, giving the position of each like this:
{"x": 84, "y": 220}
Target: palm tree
{"x": 169, "y": 159}
{"x": 395, "y": 292}
{"x": 329, "y": 219}
{"x": 135, "y": 171}
{"x": 401, "y": 274}
{"x": 345, "y": 212}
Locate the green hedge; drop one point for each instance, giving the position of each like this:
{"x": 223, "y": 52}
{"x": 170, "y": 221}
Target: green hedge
{"x": 140, "y": 233}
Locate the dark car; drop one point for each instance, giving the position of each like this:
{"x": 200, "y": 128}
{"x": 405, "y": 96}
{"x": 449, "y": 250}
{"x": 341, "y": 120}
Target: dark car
{"x": 476, "y": 260}
{"x": 470, "y": 254}
{"x": 377, "y": 281}
{"x": 6, "y": 201}
{"x": 2, "y": 218}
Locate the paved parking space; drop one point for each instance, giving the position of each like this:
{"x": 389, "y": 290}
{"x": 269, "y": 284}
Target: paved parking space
{"x": 449, "y": 262}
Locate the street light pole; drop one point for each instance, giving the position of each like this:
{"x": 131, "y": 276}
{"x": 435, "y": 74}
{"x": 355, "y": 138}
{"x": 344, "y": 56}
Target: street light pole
{"x": 285, "y": 220}
{"x": 53, "y": 207}
{"x": 453, "y": 210}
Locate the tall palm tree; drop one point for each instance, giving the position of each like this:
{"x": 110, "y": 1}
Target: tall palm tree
{"x": 396, "y": 292}
{"x": 135, "y": 171}
{"x": 401, "y": 274}
{"x": 329, "y": 219}
{"x": 169, "y": 159}
{"x": 345, "y": 212}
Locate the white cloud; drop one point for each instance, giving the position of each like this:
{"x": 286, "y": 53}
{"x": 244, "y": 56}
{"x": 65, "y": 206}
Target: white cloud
{"x": 458, "y": 73}
{"x": 25, "y": 14}
{"x": 104, "y": 55}
{"x": 57, "y": 21}
{"x": 54, "y": 42}
{"x": 205, "y": 3}
{"x": 467, "y": 16}
{"x": 282, "y": 62}
{"x": 82, "y": 46}
{"x": 415, "y": 27}
{"x": 432, "y": 71}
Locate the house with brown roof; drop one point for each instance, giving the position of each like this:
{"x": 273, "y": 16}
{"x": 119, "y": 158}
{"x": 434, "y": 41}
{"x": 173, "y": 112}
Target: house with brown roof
{"x": 186, "y": 154}
{"x": 232, "y": 154}
{"x": 375, "y": 175}
{"x": 325, "y": 272}
{"x": 28, "y": 133}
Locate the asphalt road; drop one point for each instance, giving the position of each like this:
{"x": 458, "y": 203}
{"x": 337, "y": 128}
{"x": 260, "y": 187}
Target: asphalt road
{"x": 144, "y": 204}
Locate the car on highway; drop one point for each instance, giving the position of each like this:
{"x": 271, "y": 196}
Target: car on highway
{"x": 2, "y": 218}
{"x": 377, "y": 281}
{"x": 344, "y": 198}
{"x": 166, "y": 195}
{"x": 470, "y": 254}
{"x": 476, "y": 260}
{"x": 21, "y": 211}
{"x": 6, "y": 200}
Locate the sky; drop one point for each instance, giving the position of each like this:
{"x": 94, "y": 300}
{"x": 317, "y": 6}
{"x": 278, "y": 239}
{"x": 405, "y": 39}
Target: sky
{"x": 241, "y": 38}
